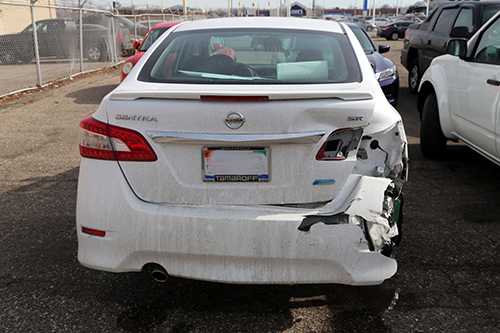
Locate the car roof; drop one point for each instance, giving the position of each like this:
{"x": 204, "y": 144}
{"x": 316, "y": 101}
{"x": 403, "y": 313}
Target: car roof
{"x": 353, "y": 25}
{"x": 262, "y": 22}
{"x": 165, "y": 25}
{"x": 473, "y": 3}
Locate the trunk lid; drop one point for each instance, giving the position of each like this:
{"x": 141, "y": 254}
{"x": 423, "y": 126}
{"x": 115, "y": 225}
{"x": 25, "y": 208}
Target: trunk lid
{"x": 280, "y": 137}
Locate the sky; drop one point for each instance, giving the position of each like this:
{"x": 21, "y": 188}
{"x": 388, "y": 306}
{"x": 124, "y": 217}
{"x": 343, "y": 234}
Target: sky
{"x": 214, "y": 4}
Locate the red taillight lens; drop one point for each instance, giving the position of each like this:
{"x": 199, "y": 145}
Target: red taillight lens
{"x": 120, "y": 37}
{"x": 339, "y": 144}
{"x": 94, "y": 232}
{"x": 102, "y": 141}
{"x": 385, "y": 28}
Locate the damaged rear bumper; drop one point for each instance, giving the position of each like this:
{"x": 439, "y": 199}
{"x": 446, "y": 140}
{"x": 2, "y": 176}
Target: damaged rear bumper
{"x": 236, "y": 244}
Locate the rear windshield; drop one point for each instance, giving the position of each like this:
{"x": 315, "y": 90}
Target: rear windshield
{"x": 252, "y": 56}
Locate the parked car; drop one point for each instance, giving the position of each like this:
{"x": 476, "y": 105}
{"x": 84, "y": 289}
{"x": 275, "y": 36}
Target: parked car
{"x": 367, "y": 25}
{"x": 423, "y": 42}
{"x": 385, "y": 70}
{"x": 245, "y": 150}
{"x": 458, "y": 96}
{"x": 142, "y": 46}
{"x": 394, "y": 31}
{"x": 124, "y": 41}
{"x": 138, "y": 30}
{"x": 381, "y": 21}
{"x": 56, "y": 38}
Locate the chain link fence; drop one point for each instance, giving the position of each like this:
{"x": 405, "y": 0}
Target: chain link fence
{"x": 43, "y": 43}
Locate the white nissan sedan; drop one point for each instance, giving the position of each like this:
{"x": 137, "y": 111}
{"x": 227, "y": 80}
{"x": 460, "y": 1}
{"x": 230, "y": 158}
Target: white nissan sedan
{"x": 245, "y": 150}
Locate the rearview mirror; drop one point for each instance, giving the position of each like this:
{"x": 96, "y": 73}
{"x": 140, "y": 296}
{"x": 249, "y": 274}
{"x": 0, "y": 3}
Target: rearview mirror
{"x": 457, "y": 47}
{"x": 462, "y": 32}
{"x": 384, "y": 48}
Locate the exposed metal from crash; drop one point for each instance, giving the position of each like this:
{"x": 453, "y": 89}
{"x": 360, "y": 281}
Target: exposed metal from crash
{"x": 375, "y": 198}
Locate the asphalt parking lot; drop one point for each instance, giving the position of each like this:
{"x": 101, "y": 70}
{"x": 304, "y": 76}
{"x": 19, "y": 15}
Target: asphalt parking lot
{"x": 448, "y": 278}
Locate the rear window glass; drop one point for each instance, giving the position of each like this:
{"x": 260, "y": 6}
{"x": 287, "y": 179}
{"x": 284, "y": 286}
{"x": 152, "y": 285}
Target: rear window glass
{"x": 443, "y": 22}
{"x": 252, "y": 56}
{"x": 151, "y": 38}
{"x": 363, "y": 39}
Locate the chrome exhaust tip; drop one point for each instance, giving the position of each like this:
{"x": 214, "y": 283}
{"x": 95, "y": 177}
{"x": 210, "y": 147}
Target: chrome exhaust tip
{"x": 159, "y": 274}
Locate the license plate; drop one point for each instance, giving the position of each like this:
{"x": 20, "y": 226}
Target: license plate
{"x": 236, "y": 165}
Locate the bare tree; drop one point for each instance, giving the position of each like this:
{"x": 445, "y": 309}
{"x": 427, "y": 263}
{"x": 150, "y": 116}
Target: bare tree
{"x": 386, "y": 9}
{"x": 220, "y": 11}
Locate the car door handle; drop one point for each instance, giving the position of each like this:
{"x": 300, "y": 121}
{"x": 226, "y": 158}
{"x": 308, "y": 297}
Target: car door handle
{"x": 493, "y": 82}
{"x": 429, "y": 42}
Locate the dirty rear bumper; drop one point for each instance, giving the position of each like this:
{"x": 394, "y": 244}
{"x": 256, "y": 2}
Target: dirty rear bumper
{"x": 234, "y": 244}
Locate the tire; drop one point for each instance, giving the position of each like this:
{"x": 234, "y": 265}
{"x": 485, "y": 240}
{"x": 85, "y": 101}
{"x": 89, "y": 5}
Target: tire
{"x": 394, "y": 36}
{"x": 369, "y": 28}
{"x": 414, "y": 76}
{"x": 432, "y": 139}
{"x": 26, "y": 59}
{"x": 96, "y": 52}
{"x": 8, "y": 57}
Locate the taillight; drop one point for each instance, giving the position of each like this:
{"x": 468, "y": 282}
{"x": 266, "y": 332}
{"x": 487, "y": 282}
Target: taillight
{"x": 339, "y": 144}
{"x": 385, "y": 28}
{"x": 120, "y": 37}
{"x": 94, "y": 232}
{"x": 102, "y": 141}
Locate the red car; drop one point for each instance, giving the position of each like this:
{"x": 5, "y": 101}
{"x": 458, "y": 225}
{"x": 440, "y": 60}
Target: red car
{"x": 156, "y": 31}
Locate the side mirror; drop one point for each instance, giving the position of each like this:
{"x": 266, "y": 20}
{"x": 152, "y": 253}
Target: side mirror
{"x": 217, "y": 46}
{"x": 384, "y": 48}
{"x": 457, "y": 47}
{"x": 136, "y": 44}
{"x": 460, "y": 32}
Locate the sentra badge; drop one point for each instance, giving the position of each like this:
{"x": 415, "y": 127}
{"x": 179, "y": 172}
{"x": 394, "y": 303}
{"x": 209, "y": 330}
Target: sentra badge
{"x": 234, "y": 120}
{"x": 135, "y": 117}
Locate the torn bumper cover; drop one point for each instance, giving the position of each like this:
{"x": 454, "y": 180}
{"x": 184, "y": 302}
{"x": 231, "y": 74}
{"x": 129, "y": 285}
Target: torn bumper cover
{"x": 252, "y": 244}
{"x": 371, "y": 203}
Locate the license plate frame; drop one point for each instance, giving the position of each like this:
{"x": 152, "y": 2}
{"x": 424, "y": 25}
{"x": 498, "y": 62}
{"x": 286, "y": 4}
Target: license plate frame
{"x": 236, "y": 164}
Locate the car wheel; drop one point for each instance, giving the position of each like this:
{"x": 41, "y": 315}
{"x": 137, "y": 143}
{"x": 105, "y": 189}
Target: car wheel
{"x": 96, "y": 52}
{"x": 414, "y": 77}
{"x": 26, "y": 58}
{"x": 432, "y": 139}
{"x": 8, "y": 57}
{"x": 394, "y": 36}
{"x": 369, "y": 28}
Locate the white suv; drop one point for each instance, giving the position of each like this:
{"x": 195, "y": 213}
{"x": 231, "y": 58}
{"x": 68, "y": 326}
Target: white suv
{"x": 459, "y": 95}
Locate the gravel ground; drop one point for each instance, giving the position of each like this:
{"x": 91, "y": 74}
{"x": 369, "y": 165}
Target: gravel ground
{"x": 448, "y": 278}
